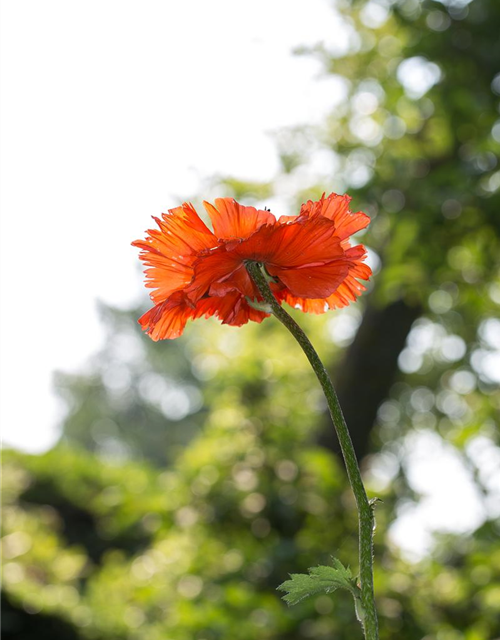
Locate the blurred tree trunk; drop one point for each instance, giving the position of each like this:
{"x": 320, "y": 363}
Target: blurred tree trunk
{"x": 369, "y": 367}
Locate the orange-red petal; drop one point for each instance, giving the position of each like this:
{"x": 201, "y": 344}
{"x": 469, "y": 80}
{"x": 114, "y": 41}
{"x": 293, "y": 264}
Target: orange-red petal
{"x": 168, "y": 319}
{"x": 239, "y": 280}
{"x": 232, "y": 309}
{"x": 336, "y": 208}
{"x": 169, "y": 252}
{"x": 298, "y": 244}
{"x": 347, "y": 292}
{"x": 313, "y": 282}
{"x": 299, "y": 253}
{"x": 213, "y": 267}
{"x": 232, "y": 220}
{"x": 351, "y": 288}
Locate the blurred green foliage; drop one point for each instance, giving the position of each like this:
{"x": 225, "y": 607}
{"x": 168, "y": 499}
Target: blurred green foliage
{"x": 135, "y": 393}
{"x": 189, "y": 481}
{"x": 120, "y": 550}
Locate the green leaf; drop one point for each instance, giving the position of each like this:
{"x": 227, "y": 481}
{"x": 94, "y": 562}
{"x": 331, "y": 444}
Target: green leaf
{"x": 319, "y": 580}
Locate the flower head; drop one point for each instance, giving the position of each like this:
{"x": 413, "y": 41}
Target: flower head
{"x": 196, "y": 272}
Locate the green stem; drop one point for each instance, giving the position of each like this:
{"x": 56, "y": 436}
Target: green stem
{"x": 368, "y": 614}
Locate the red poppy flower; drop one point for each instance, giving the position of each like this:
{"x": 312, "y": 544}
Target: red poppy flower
{"x": 195, "y": 272}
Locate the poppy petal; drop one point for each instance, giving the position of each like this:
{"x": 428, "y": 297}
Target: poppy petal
{"x": 165, "y": 276}
{"x": 211, "y": 268}
{"x": 167, "y": 319}
{"x": 318, "y": 281}
{"x": 347, "y": 292}
{"x": 351, "y": 288}
{"x": 306, "y": 243}
{"x": 170, "y": 251}
{"x": 232, "y": 309}
{"x": 232, "y": 220}
{"x": 336, "y": 208}
{"x": 239, "y": 281}
{"x": 306, "y": 305}
{"x": 298, "y": 244}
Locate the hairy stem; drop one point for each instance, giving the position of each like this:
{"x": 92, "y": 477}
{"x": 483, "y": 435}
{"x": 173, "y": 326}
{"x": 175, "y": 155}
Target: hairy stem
{"x": 368, "y": 614}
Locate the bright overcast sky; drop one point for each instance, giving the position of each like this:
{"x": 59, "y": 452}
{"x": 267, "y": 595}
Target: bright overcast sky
{"x": 112, "y": 111}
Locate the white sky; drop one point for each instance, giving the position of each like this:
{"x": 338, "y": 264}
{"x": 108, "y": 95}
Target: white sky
{"x": 113, "y": 111}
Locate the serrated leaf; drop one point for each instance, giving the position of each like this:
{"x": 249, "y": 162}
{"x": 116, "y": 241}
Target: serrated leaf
{"x": 320, "y": 579}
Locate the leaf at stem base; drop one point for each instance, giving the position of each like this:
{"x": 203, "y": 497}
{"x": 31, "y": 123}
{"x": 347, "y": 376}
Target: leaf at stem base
{"x": 319, "y": 579}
